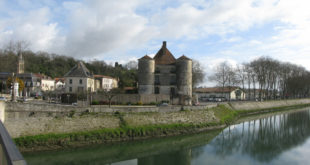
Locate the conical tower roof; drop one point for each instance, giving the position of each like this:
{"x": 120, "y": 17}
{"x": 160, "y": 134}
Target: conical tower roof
{"x": 146, "y": 57}
{"x": 164, "y": 56}
{"x": 183, "y": 57}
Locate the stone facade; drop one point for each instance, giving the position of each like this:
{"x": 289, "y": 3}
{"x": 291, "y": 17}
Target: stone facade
{"x": 166, "y": 75}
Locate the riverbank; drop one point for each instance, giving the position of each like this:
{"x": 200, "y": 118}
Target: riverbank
{"x": 131, "y": 129}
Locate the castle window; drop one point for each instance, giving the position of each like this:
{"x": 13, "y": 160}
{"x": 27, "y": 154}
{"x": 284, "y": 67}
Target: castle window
{"x": 157, "y": 80}
{"x": 172, "y": 80}
{"x": 172, "y": 91}
{"x": 70, "y": 81}
{"x": 81, "y": 81}
{"x": 156, "y": 90}
{"x": 157, "y": 70}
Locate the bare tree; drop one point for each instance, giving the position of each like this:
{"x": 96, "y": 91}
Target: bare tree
{"x": 198, "y": 75}
{"x": 110, "y": 94}
{"x": 221, "y": 75}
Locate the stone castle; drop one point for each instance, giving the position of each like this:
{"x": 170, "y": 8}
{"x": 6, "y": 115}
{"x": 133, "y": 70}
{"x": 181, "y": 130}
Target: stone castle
{"x": 166, "y": 75}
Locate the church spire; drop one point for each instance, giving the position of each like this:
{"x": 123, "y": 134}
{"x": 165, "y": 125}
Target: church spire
{"x": 20, "y": 63}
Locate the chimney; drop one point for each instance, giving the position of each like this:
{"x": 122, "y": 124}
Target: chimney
{"x": 164, "y": 44}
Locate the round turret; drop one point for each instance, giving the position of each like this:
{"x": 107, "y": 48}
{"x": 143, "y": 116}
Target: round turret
{"x": 184, "y": 79}
{"x": 146, "y": 69}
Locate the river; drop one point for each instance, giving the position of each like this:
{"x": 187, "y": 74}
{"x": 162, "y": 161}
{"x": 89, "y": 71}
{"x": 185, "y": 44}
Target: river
{"x": 270, "y": 139}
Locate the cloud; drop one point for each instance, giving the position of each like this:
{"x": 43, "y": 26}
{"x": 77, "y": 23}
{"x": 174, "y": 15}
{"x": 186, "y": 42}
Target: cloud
{"x": 98, "y": 27}
{"x": 95, "y": 28}
{"x": 33, "y": 27}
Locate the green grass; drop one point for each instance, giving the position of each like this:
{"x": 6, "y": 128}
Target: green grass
{"x": 105, "y": 135}
{"x": 224, "y": 113}
{"x": 266, "y": 110}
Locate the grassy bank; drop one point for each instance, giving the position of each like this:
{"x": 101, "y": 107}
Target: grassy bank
{"x": 223, "y": 113}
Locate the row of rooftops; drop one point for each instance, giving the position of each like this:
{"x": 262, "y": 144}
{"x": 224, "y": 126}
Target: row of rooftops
{"x": 164, "y": 56}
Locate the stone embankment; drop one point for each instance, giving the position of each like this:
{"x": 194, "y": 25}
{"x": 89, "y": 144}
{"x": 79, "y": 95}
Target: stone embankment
{"x": 26, "y": 120}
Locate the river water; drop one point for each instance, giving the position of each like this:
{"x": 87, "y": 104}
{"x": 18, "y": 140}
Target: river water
{"x": 273, "y": 139}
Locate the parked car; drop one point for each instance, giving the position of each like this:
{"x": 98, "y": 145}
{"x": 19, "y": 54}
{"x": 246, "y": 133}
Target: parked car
{"x": 3, "y": 99}
{"x": 163, "y": 104}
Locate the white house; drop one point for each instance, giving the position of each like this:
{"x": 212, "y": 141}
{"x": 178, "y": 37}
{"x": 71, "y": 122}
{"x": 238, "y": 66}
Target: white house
{"x": 232, "y": 93}
{"x": 105, "y": 82}
{"x": 79, "y": 79}
{"x": 47, "y": 84}
{"x": 59, "y": 84}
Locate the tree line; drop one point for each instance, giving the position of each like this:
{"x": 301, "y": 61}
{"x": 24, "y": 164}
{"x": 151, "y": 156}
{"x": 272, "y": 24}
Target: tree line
{"x": 265, "y": 78}
{"x": 54, "y": 65}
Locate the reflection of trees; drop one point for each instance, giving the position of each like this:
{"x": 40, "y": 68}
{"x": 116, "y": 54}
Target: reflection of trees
{"x": 182, "y": 157}
{"x": 264, "y": 139}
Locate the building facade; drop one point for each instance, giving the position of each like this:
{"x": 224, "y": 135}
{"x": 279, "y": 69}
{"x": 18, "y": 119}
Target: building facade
{"x": 79, "y": 79}
{"x": 218, "y": 93}
{"x": 59, "y": 84}
{"x": 166, "y": 75}
{"x": 105, "y": 82}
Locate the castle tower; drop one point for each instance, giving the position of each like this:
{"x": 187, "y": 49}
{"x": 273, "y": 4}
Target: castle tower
{"x": 146, "y": 69}
{"x": 184, "y": 79}
{"x": 20, "y": 63}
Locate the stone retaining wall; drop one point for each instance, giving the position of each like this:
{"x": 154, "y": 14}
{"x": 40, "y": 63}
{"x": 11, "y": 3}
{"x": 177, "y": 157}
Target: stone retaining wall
{"x": 23, "y": 119}
{"x": 251, "y": 105}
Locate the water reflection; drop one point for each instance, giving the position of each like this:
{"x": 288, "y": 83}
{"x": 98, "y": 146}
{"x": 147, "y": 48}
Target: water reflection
{"x": 264, "y": 139}
{"x": 269, "y": 140}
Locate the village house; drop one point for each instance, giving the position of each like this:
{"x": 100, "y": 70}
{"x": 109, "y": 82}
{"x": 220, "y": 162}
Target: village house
{"x": 32, "y": 83}
{"x": 47, "y": 83}
{"x": 220, "y": 94}
{"x": 79, "y": 79}
{"x": 105, "y": 82}
{"x": 59, "y": 84}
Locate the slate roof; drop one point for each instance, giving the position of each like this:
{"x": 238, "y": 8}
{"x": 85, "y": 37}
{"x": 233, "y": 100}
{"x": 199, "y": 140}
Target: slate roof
{"x": 146, "y": 57}
{"x": 79, "y": 70}
{"x": 183, "y": 57}
{"x": 164, "y": 56}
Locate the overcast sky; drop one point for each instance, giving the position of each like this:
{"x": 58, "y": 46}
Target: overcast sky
{"x": 121, "y": 30}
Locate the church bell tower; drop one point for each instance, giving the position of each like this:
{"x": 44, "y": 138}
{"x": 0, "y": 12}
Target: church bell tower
{"x": 20, "y": 63}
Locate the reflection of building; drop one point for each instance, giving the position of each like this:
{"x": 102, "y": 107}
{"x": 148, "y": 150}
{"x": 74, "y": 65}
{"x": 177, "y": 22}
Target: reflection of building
{"x": 233, "y": 93}
{"x": 166, "y": 75}
{"x": 105, "y": 82}
{"x": 79, "y": 79}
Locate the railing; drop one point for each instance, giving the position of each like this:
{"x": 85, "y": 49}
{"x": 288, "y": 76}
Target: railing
{"x": 9, "y": 154}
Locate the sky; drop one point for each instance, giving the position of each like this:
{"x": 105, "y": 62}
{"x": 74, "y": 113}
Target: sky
{"x": 209, "y": 31}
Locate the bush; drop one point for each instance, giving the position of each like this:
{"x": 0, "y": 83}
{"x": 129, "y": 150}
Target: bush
{"x": 139, "y": 103}
{"x": 95, "y": 102}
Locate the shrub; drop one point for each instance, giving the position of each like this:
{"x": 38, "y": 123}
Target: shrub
{"x": 139, "y": 103}
{"x": 95, "y": 102}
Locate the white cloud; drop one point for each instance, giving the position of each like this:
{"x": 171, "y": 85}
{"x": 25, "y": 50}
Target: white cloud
{"x": 108, "y": 28}
{"x": 33, "y": 27}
